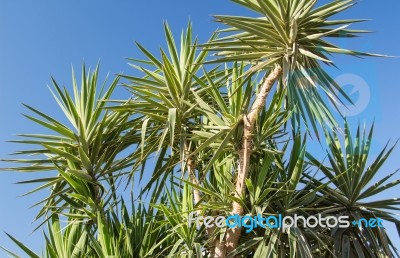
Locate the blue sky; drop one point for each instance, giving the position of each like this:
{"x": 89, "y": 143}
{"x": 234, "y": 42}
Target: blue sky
{"x": 43, "y": 37}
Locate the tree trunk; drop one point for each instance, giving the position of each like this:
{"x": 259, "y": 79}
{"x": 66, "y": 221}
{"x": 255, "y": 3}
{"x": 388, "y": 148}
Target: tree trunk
{"x": 194, "y": 180}
{"x": 220, "y": 249}
{"x": 233, "y": 235}
{"x": 191, "y": 166}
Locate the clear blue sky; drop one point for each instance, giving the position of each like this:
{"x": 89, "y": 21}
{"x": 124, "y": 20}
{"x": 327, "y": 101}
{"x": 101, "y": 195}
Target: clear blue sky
{"x": 43, "y": 37}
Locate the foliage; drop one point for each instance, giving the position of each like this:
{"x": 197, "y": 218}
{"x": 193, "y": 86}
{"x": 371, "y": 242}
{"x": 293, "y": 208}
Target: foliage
{"x": 180, "y": 135}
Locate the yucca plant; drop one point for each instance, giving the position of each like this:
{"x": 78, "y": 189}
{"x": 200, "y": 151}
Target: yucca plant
{"x": 135, "y": 231}
{"x": 70, "y": 242}
{"x": 353, "y": 190}
{"x": 214, "y": 135}
{"x": 166, "y": 100}
{"x": 289, "y": 42}
{"x": 84, "y": 152}
{"x": 283, "y": 193}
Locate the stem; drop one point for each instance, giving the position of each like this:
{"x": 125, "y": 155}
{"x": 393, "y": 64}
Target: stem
{"x": 220, "y": 249}
{"x": 191, "y": 166}
{"x": 233, "y": 235}
{"x": 193, "y": 179}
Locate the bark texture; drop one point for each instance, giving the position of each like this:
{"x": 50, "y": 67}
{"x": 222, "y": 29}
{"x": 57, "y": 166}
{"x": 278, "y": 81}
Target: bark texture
{"x": 191, "y": 166}
{"x": 249, "y": 119}
{"x": 220, "y": 249}
{"x": 193, "y": 179}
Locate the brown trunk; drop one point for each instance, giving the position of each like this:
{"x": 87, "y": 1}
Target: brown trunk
{"x": 214, "y": 241}
{"x": 233, "y": 235}
{"x": 191, "y": 166}
{"x": 193, "y": 179}
{"x": 220, "y": 249}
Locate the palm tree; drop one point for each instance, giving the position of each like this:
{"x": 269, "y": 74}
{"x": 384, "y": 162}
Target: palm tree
{"x": 211, "y": 137}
